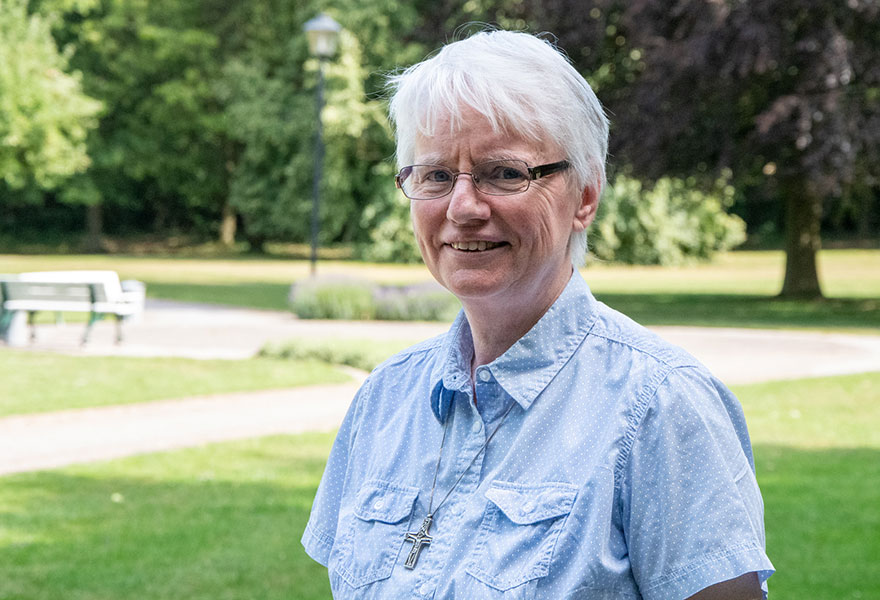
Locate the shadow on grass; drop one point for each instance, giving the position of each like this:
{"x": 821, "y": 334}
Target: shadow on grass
{"x": 271, "y": 296}
{"x": 706, "y": 310}
{"x": 822, "y": 521}
{"x": 729, "y": 310}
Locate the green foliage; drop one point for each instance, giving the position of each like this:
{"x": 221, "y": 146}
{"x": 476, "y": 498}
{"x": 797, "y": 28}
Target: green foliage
{"x": 44, "y": 114}
{"x": 211, "y": 107}
{"x": 391, "y": 233}
{"x": 271, "y": 115}
{"x": 670, "y": 223}
{"x": 347, "y": 298}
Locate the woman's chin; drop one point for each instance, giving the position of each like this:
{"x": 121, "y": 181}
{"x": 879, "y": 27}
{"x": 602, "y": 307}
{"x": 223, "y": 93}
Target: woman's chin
{"x": 475, "y": 285}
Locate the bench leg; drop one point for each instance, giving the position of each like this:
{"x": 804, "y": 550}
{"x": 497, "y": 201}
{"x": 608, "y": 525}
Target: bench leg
{"x": 13, "y": 327}
{"x": 118, "y": 329}
{"x": 32, "y": 317}
{"x": 92, "y": 318}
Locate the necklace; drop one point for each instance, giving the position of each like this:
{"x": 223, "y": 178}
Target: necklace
{"x": 422, "y": 538}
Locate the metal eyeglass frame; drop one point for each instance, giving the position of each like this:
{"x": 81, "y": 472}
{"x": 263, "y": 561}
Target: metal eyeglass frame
{"x": 534, "y": 173}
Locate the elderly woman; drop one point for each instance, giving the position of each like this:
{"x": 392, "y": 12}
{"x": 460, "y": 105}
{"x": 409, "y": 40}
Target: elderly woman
{"x": 546, "y": 446}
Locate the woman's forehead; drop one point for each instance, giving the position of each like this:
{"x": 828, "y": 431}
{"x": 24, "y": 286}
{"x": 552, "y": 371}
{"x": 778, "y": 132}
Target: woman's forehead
{"x": 475, "y": 137}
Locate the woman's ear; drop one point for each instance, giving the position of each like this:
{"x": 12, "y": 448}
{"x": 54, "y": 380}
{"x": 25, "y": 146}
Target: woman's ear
{"x": 587, "y": 207}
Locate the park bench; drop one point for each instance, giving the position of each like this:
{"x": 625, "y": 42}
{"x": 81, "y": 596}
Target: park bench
{"x": 99, "y": 293}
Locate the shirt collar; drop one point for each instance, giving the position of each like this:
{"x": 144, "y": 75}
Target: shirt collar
{"x": 530, "y": 364}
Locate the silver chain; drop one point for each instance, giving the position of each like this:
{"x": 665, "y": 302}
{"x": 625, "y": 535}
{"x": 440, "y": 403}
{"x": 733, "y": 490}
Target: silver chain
{"x": 431, "y": 509}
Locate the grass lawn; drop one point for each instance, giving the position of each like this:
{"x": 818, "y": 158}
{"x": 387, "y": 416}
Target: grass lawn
{"x": 817, "y": 452}
{"x": 224, "y": 521}
{"x": 737, "y": 289}
{"x": 29, "y": 381}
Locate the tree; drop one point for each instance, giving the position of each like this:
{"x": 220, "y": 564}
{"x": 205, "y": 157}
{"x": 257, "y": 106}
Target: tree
{"x": 159, "y": 153}
{"x": 268, "y": 90}
{"x": 210, "y": 113}
{"x": 786, "y": 93}
{"x": 44, "y": 114}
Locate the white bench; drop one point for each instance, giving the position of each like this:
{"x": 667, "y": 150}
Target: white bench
{"x": 98, "y": 293}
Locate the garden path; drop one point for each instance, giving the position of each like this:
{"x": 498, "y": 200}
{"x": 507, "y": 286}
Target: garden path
{"x": 33, "y": 442}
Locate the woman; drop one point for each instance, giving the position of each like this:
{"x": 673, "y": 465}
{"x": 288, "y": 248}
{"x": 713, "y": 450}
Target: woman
{"x": 546, "y": 446}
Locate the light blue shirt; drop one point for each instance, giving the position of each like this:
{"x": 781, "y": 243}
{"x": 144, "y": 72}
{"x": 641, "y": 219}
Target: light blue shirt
{"x": 623, "y": 471}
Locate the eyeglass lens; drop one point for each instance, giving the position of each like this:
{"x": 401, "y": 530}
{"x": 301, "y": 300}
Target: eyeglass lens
{"x": 496, "y": 177}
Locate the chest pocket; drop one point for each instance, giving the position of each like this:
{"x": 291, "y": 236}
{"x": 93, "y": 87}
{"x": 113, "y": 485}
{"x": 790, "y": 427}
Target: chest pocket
{"x": 376, "y": 528}
{"x": 519, "y": 530}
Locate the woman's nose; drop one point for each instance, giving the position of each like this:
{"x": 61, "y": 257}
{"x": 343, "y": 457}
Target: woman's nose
{"x": 465, "y": 201}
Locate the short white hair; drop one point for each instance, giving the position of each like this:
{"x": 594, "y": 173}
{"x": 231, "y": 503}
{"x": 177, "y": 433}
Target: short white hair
{"x": 523, "y": 85}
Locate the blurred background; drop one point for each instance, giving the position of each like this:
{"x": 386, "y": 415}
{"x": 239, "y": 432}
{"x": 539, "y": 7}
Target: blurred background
{"x": 202, "y": 148}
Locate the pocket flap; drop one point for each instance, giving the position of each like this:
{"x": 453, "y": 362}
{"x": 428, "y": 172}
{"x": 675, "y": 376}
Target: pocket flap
{"x": 384, "y": 501}
{"x": 525, "y": 504}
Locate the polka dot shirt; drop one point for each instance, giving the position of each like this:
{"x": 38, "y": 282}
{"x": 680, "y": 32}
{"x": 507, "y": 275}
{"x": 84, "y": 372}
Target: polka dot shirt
{"x": 623, "y": 470}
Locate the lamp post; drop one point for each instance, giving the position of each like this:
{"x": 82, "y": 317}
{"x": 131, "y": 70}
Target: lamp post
{"x": 323, "y": 34}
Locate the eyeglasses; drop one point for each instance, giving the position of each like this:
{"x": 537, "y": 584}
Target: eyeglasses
{"x": 495, "y": 177}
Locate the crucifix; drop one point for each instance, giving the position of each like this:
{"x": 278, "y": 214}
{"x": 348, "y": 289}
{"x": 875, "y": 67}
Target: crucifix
{"x": 418, "y": 540}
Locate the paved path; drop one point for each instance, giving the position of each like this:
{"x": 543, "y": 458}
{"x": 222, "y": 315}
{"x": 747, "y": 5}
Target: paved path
{"x": 32, "y": 442}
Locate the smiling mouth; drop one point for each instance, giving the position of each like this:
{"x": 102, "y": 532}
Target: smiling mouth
{"x": 479, "y": 246}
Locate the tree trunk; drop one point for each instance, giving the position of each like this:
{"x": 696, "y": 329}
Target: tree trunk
{"x": 228, "y": 225}
{"x": 866, "y": 215}
{"x": 803, "y": 214}
{"x": 94, "y": 229}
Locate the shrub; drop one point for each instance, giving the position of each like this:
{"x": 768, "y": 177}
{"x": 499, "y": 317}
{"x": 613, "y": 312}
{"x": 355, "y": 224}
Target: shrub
{"x": 351, "y": 299}
{"x": 422, "y": 302}
{"x": 353, "y": 353}
{"x": 336, "y": 298}
{"x": 670, "y": 223}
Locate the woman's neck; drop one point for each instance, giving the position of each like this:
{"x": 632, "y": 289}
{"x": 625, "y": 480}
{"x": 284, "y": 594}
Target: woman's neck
{"x": 496, "y": 326}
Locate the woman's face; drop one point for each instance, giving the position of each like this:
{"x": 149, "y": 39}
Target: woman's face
{"x": 508, "y": 250}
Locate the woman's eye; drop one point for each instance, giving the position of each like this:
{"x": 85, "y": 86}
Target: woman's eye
{"x": 439, "y": 175}
{"x": 505, "y": 173}
{"x": 511, "y": 173}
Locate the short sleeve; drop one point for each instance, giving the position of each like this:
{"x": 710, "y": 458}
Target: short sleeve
{"x": 320, "y": 531}
{"x": 690, "y": 504}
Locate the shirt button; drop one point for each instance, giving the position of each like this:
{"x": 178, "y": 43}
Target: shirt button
{"x": 425, "y": 589}
{"x": 528, "y": 507}
{"x": 378, "y": 504}
{"x": 477, "y": 426}
{"x": 484, "y": 375}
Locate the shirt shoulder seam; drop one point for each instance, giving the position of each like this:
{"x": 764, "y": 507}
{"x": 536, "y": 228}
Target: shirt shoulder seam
{"x": 659, "y": 354}
{"x": 637, "y": 414}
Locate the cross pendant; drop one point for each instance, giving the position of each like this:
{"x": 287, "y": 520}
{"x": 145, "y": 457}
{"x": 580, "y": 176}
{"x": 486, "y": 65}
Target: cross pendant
{"x": 419, "y": 539}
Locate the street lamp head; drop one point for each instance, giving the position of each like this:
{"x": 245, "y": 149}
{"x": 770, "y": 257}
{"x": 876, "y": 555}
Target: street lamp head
{"x": 323, "y": 33}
